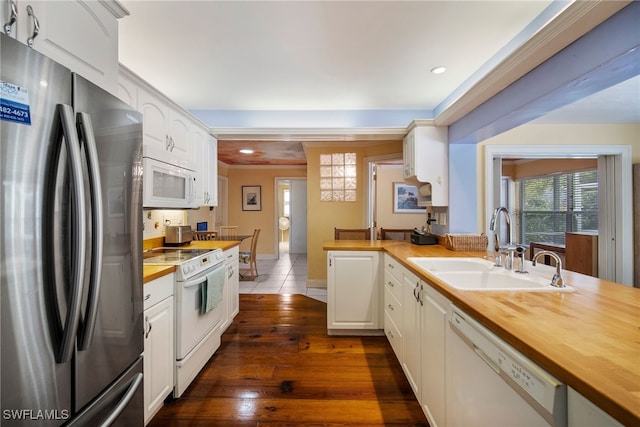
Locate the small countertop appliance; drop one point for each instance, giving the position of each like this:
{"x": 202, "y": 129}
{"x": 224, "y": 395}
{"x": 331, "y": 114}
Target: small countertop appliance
{"x": 178, "y": 234}
{"x": 418, "y": 238}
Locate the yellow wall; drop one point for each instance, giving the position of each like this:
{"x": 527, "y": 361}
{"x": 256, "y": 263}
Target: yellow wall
{"x": 534, "y": 134}
{"x": 322, "y": 217}
{"x": 265, "y": 219}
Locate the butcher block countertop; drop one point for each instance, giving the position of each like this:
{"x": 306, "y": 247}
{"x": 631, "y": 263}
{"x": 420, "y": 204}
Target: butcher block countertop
{"x": 152, "y": 272}
{"x": 588, "y": 339}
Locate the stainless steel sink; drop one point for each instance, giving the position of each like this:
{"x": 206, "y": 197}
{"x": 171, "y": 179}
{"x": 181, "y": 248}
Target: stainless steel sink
{"x": 477, "y": 274}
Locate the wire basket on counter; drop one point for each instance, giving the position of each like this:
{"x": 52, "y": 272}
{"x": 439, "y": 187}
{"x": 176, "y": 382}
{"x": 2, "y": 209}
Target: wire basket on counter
{"x": 466, "y": 242}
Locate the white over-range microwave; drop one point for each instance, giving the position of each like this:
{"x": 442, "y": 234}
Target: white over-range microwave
{"x": 167, "y": 186}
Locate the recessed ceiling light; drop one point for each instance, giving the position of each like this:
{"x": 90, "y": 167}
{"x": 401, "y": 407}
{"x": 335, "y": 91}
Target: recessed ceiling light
{"x": 438, "y": 70}
{"x": 246, "y": 151}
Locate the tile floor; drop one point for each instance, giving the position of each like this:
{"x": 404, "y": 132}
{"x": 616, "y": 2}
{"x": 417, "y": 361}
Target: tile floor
{"x": 287, "y": 275}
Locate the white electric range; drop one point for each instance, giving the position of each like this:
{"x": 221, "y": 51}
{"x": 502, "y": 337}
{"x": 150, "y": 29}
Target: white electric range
{"x": 197, "y": 333}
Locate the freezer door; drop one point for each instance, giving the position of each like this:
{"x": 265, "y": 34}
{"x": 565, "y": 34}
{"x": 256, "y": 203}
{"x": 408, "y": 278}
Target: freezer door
{"x": 33, "y": 310}
{"x": 122, "y": 404}
{"x": 111, "y": 328}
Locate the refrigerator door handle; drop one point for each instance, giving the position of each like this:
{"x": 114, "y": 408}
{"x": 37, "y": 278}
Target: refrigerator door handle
{"x": 131, "y": 391}
{"x": 87, "y": 137}
{"x": 65, "y": 113}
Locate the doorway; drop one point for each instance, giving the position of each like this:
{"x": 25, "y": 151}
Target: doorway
{"x": 371, "y": 203}
{"x": 291, "y": 216}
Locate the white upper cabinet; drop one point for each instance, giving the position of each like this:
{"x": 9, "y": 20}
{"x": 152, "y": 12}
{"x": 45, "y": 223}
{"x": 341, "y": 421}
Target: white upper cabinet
{"x": 425, "y": 151}
{"x": 127, "y": 87}
{"x": 166, "y": 131}
{"x": 212, "y": 172}
{"x": 172, "y": 135}
{"x": 205, "y": 150}
{"x": 81, "y": 35}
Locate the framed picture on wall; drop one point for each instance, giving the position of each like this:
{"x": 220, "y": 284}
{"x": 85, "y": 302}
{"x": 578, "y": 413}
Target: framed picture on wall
{"x": 251, "y": 198}
{"x": 405, "y": 198}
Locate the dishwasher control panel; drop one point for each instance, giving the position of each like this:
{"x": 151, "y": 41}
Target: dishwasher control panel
{"x": 521, "y": 376}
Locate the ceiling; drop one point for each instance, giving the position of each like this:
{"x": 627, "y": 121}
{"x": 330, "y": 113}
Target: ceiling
{"x": 319, "y": 56}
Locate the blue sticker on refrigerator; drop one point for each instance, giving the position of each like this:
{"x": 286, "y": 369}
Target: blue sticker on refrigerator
{"x": 14, "y": 104}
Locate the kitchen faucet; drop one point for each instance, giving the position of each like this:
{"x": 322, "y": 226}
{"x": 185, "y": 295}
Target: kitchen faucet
{"x": 507, "y": 217}
{"x": 557, "y": 280}
{"x": 509, "y": 249}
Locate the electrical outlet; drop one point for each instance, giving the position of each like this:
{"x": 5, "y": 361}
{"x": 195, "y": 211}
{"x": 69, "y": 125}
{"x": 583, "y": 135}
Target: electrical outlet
{"x": 442, "y": 218}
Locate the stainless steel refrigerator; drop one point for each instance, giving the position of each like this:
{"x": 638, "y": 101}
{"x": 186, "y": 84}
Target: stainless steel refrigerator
{"x": 70, "y": 247}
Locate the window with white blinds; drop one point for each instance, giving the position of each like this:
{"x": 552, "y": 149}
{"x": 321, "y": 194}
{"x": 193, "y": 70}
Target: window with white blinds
{"x": 555, "y": 204}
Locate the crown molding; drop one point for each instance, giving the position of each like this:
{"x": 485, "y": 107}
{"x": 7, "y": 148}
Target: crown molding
{"x": 116, "y": 8}
{"x": 309, "y": 134}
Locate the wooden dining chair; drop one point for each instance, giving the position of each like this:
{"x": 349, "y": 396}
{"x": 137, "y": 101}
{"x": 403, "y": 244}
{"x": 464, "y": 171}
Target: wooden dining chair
{"x": 395, "y": 234}
{"x": 205, "y": 235}
{"x": 352, "y": 233}
{"x": 249, "y": 258}
{"x": 228, "y": 230}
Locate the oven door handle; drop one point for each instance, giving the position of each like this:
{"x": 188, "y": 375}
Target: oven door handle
{"x": 196, "y": 282}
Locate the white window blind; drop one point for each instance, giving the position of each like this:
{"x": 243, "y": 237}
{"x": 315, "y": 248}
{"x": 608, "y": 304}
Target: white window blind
{"x": 553, "y": 205}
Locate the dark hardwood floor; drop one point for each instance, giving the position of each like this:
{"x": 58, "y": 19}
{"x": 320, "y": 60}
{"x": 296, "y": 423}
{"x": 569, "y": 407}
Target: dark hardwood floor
{"x": 278, "y": 367}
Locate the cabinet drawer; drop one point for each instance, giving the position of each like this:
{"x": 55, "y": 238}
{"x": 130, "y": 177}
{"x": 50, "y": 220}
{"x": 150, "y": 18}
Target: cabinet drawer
{"x": 157, "y": 290}
{"x": 393, "y": 308}
{"x": 393, "y": 335}
{"x": 393, "y": 284}
{"x": 393, "y": 267}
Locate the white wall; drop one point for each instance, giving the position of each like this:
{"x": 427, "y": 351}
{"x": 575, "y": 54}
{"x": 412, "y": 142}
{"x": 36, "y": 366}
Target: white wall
{"x": 154, "y": 221}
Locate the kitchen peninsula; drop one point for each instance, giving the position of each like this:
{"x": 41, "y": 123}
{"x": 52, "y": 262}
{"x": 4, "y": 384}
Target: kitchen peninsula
{"x": 588, "y": 339}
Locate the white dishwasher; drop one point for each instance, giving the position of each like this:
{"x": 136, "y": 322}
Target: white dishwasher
{"x": 491, "y": 384}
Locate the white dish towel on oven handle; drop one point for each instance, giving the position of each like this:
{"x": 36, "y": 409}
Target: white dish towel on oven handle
{"x": 211, "y": 290}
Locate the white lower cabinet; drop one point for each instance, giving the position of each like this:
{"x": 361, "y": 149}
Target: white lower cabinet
{"x": 231, "y": 287}
{"x": 158, "y": 359}
{"x": 434, "y": 354}
{"x": 393, "y": 301}
{"x": 416, "y": 326}
{"x": 411, "y": 336}
{"x": 353, "y": 292}
{"x": 583, "y": 413}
